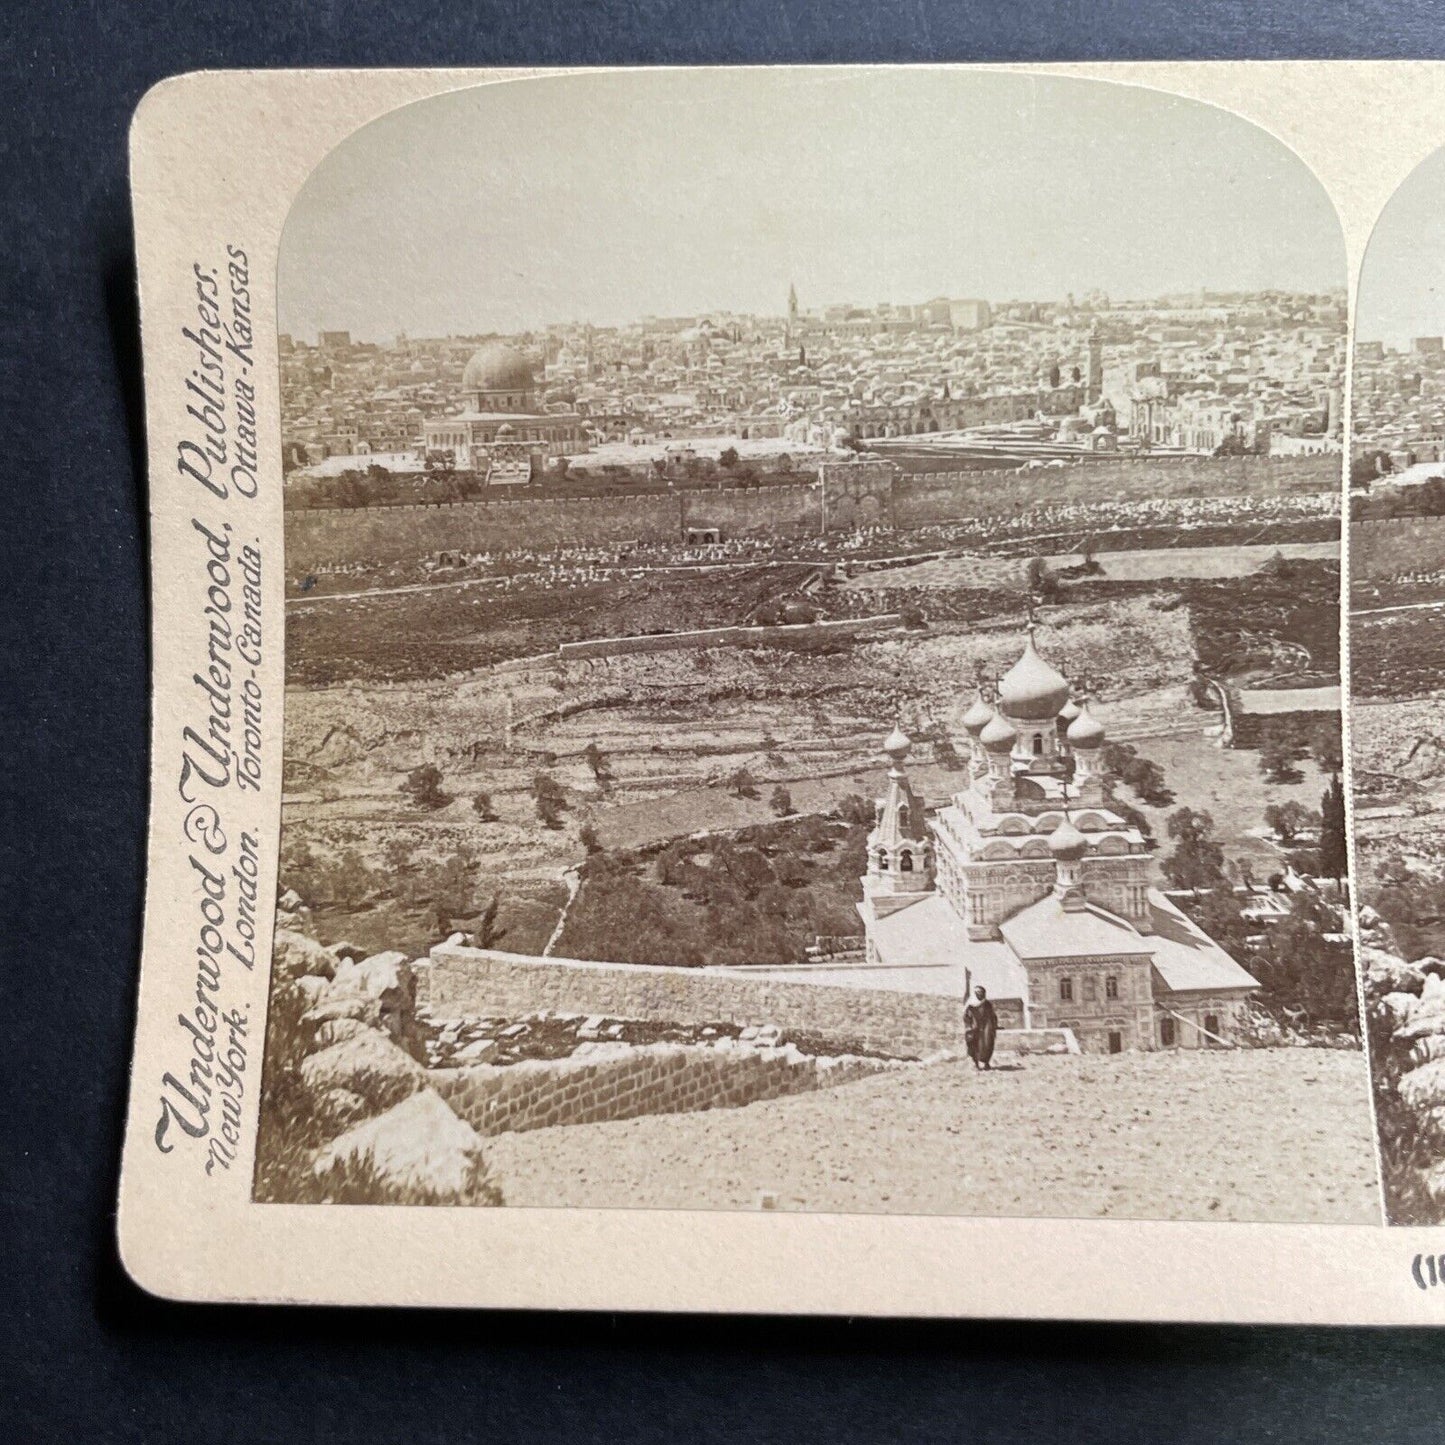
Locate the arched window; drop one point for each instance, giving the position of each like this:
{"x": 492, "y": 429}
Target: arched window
{"x": 905, "y": 862}
{"x": 882, "y": 859}
{"x": 903, "y": 815}
{"x": 1038, "y": 745}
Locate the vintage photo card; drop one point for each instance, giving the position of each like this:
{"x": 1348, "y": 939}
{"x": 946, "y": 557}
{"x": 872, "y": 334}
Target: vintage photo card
{"x": 748, "y": 692}
{"x": 1397, "y": 500}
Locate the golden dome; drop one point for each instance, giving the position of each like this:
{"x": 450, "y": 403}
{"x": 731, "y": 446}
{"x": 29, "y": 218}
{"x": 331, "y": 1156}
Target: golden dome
{"x": 1067, "y": 842}
{"x": 1031, "y": 689}
{"x": 896, "y": 744}
{"x": 998, "y": 736}
{"x": 977, "y": 717}
{"x": 499, "y": 367}
{"x": 1085, "y": 731}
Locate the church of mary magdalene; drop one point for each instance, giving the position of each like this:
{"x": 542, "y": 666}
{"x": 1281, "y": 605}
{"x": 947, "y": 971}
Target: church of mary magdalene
{"x": 1028, "y": 883}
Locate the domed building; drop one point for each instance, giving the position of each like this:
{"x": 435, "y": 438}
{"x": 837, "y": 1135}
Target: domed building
{"x": 502, "y": 429}
{"x": 1030, "y": 882}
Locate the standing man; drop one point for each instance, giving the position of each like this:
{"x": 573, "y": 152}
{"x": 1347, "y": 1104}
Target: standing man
{"x": 980, "y": 1028}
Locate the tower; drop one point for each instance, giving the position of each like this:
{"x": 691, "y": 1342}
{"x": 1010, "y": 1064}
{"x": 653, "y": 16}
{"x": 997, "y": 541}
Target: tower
{"x": 1096, "y": 367}
{"x": 900, "y": 849}
{"x": 792, "y": 311}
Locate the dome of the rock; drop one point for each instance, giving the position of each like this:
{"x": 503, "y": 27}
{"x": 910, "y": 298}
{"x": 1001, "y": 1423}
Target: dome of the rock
{"x": 499, "y": 367}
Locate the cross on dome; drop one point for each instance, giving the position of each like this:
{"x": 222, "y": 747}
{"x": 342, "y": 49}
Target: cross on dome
{"x": 1031, "y": 689}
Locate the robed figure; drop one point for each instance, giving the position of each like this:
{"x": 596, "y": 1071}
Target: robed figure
{"x": 980, "y": 1028}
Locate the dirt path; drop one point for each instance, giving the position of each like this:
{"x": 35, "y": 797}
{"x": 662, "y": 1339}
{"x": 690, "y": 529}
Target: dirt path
{"x": 1398, "y": 607}
{"x": 1269, "y": 1135}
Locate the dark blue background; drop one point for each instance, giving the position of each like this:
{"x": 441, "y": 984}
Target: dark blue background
{"x": 86, "y": 1356}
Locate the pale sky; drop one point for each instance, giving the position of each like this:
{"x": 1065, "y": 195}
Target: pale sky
{"x": 609, "y": 197}
{"x": 1402, "y": 278}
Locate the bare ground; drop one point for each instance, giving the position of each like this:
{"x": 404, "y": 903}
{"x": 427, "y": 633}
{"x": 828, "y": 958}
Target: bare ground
{"x": 1279, "y": 1135}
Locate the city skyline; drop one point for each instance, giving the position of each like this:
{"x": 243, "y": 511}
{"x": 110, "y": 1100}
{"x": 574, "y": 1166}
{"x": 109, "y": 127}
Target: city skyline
{"x": 708, "y": 192}
{"x": 1082, "y": 301}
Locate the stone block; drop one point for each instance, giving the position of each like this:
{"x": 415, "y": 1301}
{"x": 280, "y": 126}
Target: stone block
{"x": 368, "y": 1064}
{"x": 419, "y": 1145}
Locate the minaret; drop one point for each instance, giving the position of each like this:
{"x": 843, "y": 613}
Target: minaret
{"x": 1096, "y": 366}
{"x": 900, "y": 850}
{"x": 792, "y": 311}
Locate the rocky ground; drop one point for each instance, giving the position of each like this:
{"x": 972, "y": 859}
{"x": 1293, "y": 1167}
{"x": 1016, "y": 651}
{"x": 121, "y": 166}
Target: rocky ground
{"x": 1405, "y": 1015}
{"x": 1280, "y": 1135}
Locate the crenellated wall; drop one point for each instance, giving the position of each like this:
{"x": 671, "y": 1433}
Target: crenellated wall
{"x": 1392, "y": 546}
{"x": 850, "y": 495}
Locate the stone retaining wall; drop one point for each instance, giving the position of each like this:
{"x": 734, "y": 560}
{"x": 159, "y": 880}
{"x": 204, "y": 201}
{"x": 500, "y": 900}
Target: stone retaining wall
{"x": 1386, "y": 547}
{"x": 603, "y": 1082}
{"x": 784, "y": 635}
{"x": 457, "y": 982}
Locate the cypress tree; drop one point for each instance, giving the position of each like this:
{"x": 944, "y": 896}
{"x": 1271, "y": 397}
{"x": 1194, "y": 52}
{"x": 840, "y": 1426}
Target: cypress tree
{"x": 1334, "y": 854}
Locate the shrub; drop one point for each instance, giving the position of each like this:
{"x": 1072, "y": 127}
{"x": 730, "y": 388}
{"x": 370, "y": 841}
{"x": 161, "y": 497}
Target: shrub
{"x": 1197, "y": 861}
{"x": 742, "y": 785}
{"x": 1290, "y": 819}
{"x": 423, "y": 786}
{"x": 1279, "y": 757}
{"x": 550, "y": 799}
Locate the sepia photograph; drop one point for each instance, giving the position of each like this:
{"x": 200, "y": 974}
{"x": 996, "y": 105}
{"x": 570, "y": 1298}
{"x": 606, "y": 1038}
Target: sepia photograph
{"x": 1397, "y": 591}
{"x": 813, "y": 660}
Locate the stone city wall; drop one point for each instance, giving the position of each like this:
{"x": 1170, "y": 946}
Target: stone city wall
{"x": 853, "y": 494}
{"x": 325, "y": 537}
{"x": 783, "y": 635}
{"x": 1387, "y": 547}
{"x": 458, "y": 982}
{"x": 601, "y": 1082}
{"x": 788, "y": 510}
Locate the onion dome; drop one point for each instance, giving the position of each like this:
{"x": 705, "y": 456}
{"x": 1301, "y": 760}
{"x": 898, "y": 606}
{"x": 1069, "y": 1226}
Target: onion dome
{"x": 1085, "y": 731}
{"x": 896, "y": 744}
{"x": 1068, "y": 712}
{"x": 1066, "y": 842}
{"x": 499, "y": 367}
{"x": 998, "y": 736}
{"x": 977, "y": 717}
{"x": 1031, "y": 689}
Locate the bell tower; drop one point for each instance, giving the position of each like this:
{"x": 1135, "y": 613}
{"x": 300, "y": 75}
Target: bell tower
{"x": 900, "y": 847}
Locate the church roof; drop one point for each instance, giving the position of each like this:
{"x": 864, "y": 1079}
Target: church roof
{"x": 998, "y": 735}
{"x": 1031, "y": 689}
{"x": 1185, "y": 957}
{"x": 1047, "y": 929}
{"x": 926, "y": 948}
{"x": 979, "y": 715}
{"x": 1085, "y": 731}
